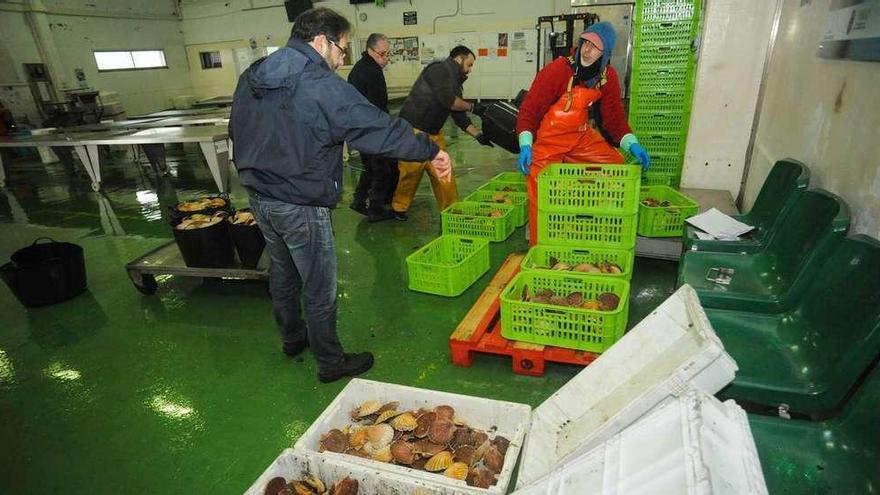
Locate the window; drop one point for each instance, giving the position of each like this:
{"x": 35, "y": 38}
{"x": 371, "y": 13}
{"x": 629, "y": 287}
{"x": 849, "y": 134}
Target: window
{"x": 130, "y": 60}
{"x": 210, "y": 60}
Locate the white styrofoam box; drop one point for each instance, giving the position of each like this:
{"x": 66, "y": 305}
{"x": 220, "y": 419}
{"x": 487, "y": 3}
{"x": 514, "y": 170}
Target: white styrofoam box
{"x": 673, "y": 346}
{"x": 495, "y": 417}
{"x": 690, "y": 445}
{"x": 295, "y": 465}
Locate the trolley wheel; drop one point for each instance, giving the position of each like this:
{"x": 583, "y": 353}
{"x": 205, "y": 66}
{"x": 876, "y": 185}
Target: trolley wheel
{"x": 148, "y": 285}
{"x": 526, "y": 364}
{"x": 96, "y": 186}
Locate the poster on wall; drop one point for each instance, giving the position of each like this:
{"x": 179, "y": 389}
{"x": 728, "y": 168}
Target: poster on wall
{"x": 404, "y": 50}
{"x": 852, "y": 30}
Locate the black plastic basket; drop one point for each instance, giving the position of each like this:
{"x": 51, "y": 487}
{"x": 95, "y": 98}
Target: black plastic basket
{"x": 44, "y": 274}
{"x": 249, "y": 242}
{"x": 206, "y": 247}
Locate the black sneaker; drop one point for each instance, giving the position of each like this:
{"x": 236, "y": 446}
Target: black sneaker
{"x": 352, "y": 364}
{"x": 400, "y": 215}
{"x": 359, "y": 207}
{"x": 294, "y": 349}
{"x": 379, "y": 216}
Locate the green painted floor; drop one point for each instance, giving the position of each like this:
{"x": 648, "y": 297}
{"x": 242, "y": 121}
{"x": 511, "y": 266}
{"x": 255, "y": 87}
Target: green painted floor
{"x": 187, "y": 391}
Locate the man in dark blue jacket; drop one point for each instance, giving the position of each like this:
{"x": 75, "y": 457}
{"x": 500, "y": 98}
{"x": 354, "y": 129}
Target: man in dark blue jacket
{"x": 290, "y": 115}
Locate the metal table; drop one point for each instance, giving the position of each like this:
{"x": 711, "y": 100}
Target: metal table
{"x": 181, "y": 113}
{"x": 167, "y": 260}
{"x": 669, "y": 248}
{"x": 216, "y": 101}
{"x": 213, "y": 141}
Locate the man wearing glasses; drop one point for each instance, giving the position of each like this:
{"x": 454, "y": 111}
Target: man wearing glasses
{"x": 290, "y": 115}
{"x": 379, "y": 177}
{"x": 558, "y": 109}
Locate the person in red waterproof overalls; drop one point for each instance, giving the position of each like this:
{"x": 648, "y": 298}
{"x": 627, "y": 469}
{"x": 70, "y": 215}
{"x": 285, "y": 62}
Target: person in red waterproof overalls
{"x": 557, "y": 106}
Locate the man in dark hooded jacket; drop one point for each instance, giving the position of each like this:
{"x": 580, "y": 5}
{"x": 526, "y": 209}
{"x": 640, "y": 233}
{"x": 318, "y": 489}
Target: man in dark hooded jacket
{"x": 290, "y": 117}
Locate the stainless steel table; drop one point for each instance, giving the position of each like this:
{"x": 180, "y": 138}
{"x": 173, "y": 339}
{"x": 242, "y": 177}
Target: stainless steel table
{"x": 216, "y": 101}
{"x": 213, "y": 141}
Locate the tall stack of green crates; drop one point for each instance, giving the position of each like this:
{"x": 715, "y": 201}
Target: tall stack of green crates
{"x": 662, "y": 83}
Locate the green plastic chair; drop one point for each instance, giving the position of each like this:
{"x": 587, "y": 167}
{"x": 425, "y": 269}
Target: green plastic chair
{"x": 786, "y": 181}
{"x": 838, "y": 456}
{"x": 811, "y": 356}
{"x": 771, "y": 279}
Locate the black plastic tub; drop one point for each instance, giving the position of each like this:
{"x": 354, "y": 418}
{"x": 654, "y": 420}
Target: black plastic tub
{"x": 207, "y": 247}
{"x": 249, "y": 242}
{"x": 46, "y": 273}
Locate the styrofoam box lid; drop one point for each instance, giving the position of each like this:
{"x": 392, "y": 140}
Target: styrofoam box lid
{"x": 295, "y": 465}
{"x": 693, "y": 444}
{"x": 496, "y": 417}
{"x": 672, "y": 347}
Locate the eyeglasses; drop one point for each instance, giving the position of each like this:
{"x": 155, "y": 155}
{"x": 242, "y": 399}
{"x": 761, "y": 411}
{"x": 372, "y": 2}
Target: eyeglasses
{"x": 336, "y": 45}
{"x": 590, "y": 46}
{"x": 381, "y": 54}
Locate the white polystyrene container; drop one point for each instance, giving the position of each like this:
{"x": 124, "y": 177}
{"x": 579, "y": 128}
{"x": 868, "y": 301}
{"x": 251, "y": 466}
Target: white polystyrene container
{"x": 690, "y": 445}
{"x": 672, "y": 347}
{"x": 495, "y": 417}
{"x": 295, "y": 465}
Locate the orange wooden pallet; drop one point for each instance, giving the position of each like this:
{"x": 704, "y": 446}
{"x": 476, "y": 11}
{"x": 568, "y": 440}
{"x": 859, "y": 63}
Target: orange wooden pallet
{"x": 480, "y": 331}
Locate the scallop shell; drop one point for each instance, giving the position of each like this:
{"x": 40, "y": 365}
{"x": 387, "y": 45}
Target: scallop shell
{"x": 315, "y": 483}
{"x": 481, "y": 477}
{"x": 386, "y": 415}
{"x": 357, "y": 438}
{"x": 367, "y": 408}
{"x": 383, "y": 455}
{"x": 428, "y": 448}
{"x": 403, "y": 452}
{"x": 457, "y": 470}
{"x": 441, "y": 431}
{"x": 333, "y": 441}
{"x": 404, "y": 422}
{"x": 608, "y": 301}
{"x": 388, "y": 406}
{"x": 494, "y": 459}
{"x": 481, "y": 450}
{"x": 379, "y": 436}
{"x": 439, "y": 462}
{"x": 462, "y": 436}
{"x": 446, "y": 412}
{"x": 275, "y": 485}
{"x": 345, "y": 486}
{"x": 501, "y": 443}
{"x": 300, "y": 488}
{"x": 419, "y": 463}
{"x": 424, "y": 424}
{"x": 466, "y": 454}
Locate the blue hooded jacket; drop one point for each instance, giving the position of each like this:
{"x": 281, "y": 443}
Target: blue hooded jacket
{"x": 290, "y": 116}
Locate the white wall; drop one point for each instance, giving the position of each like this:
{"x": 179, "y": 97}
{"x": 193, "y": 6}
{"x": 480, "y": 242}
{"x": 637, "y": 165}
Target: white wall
{"x": 78, "y": 27}
{"x": 825, "y": 113}
{"x": 266, "y": 23}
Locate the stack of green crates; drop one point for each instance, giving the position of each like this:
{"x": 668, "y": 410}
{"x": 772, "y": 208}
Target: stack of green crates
{"x": 662, "y": 83}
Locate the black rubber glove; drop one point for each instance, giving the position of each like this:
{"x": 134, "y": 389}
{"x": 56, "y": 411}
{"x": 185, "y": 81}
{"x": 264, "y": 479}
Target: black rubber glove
{"x": 484, "y": 140}
{"x": 479, "y": 109}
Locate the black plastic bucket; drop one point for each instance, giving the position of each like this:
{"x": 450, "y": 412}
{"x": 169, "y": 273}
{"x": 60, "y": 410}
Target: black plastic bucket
{"x": 44, "y": 274}
{"x": 207, "y": 247}
{"x": 249, "y": 242}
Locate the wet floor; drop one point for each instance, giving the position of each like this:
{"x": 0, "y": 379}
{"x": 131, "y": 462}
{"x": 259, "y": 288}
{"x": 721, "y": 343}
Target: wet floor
{"x": 186, "y": 391}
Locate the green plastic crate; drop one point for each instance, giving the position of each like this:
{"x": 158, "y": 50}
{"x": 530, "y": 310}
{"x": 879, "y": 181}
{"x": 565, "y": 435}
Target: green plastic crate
{"x": 665, "y": 221}
{"x": 660, "y": 100}
{"x": 539, "y": 257}
{"x": 448, "y": 265}
{"x": 664, "y": 33}
{"x": 662, "y": 78}
{"x": 665, "y": 163}
{"x": 655, "y": 179}
{"x": 663, "y": 57}
{"x": 497, "y": 185}
{"x": 659, "y": 122}
{"x": 668, "y": 143}
{"x": 571, "y": 328}
{"x": 515, "y": 177}
{"x": 589, "y": 188}
{"x": 519, "y": 201}
{"x": 583, "y": 229}
{"x": 666, "y": 10}
{"x": 471, "y": 220}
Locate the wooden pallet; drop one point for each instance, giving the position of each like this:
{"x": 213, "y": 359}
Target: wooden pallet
{"x": 480, "y": 331}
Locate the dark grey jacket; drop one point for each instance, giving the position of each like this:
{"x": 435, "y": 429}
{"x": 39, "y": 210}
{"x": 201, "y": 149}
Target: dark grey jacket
{"x": 429, "y": 101}
{"x": 290, "y": 116}
{"x": 367, "y": 77}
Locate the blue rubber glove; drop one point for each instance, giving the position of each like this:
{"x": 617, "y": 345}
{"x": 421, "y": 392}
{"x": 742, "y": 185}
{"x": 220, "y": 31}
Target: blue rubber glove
{"x": 641, "y": 155}
{"x": 630, "y": 144}
{"x": 525, "y": 152}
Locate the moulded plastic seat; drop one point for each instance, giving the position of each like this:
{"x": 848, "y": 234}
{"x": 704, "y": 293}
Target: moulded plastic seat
{"x": 839, "y": 455}
{"x": 786, "y": 181}
{"x": 768, "y": 280}
{"x": 810, "y": 356}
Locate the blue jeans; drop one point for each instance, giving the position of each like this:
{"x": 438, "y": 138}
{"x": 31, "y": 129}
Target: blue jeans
{"x": 299, "y": 240}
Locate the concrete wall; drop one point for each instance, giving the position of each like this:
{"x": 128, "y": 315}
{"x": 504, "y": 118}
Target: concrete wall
{"x": 825, "y": 113}
{"x": 77, "y": 27}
